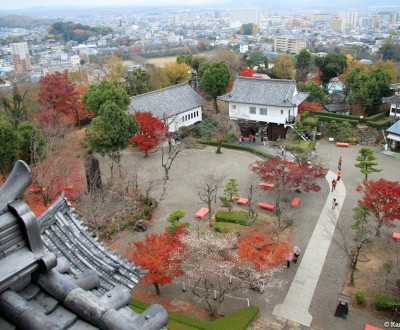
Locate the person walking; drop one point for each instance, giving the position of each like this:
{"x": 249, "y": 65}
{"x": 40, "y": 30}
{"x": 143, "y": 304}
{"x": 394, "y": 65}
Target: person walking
{"x": 334, "y": 204}
{"x": 283, "y": 150}
{"x": 240, "y": 139}
{"x": 339, "y": 173}
{"x": 254, "y": 139}
{"x": 334, "y": 182}
{"x": 250, "y": 138}
{"x": 340, "y": 163}
{"x": 289, "y": 258}
{"x": 262, "y": 140}
{"x": 296, "y": 254}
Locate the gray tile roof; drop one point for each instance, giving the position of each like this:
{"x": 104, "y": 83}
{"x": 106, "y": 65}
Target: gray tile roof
{"x": 55, "y": 275}
{"x": 275, "y": 92}
{"x": 171, "y": 101}
{"x": 395, "y": 128}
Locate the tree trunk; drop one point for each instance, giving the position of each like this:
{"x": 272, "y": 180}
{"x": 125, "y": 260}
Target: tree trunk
{"x": 378, "y": 229}
{"x": 146, "y": 153}
{"x": 219, "y": 147}
{"x": 157, "y": 288}
{"x": 215, "y": 104}
{"x": 93, "y": 173}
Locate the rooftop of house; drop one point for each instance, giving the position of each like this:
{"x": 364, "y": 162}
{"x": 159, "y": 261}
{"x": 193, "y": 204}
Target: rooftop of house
{"x": 167, "y": 102}
{"x": 54, "y": 274}
{"x": 272, "y": 92}
{"x": 395, "y": 128}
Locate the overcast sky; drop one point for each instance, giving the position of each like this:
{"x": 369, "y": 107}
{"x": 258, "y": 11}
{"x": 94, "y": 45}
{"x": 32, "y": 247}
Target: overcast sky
{"x": 22, "y": 4}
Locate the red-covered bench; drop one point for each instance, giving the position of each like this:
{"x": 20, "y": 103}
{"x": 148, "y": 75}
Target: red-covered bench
{"x": 342, "y": 144}
{"x": 202, "y": 212}
{"x": 396, "y": 236}
{"x": 268, "y": 207}
{"x": 266, "y": 185}
{"x": 242, "y": 201}
{"x": 371, "y": 327}
{"x": 295, "y": 202}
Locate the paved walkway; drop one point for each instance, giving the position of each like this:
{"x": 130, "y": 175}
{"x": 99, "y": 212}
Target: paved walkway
{"x": 298, "y": 299}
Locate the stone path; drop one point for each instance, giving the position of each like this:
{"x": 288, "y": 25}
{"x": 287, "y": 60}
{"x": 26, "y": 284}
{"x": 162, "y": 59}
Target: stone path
{"x": 298, "y": 299}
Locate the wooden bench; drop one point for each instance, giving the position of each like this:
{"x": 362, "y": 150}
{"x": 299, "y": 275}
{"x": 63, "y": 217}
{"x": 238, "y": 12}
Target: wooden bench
{"x": 268, "y": 207}
{"x": 342, "y": 144}
{"x": 202, "y": 213}
{"x": 396, "y": 236}
{"x": 295, "y": 202}
{"x": 242, "y": 201}
{"x": 266, "y": 185}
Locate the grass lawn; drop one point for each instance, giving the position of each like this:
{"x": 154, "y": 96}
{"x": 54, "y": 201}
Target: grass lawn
{"x": 238, "y": 320}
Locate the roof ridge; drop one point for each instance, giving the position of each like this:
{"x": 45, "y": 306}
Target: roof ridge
{"x": 271, "y": 79}
{"x": 161, "y": 89}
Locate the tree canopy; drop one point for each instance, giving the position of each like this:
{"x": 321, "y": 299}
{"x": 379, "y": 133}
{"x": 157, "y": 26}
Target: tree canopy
{"x": 303, "y": 64}
{"x": 317, "y": 94}
{"x": 136, "y": 82}
{"x": 214, "y": 78}
{"x": 283, "y": 67}
{"x": 331, "y": 66}
{"x": 9, "y": 141}
{"x": 99, "y": 94}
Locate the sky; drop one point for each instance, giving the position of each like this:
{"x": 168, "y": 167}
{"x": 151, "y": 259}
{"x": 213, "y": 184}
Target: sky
{"x": 22, "y": 4}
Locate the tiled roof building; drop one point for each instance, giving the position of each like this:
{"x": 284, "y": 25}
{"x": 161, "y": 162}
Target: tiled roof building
{"x": 55, "y": 275}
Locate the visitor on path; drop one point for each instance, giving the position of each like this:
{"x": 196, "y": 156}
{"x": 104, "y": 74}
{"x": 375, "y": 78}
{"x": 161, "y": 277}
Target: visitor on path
{"x": 289, "y": 258}
{"x": 240, "y": 140}
{"x": 283, "y": 150}
{"x": 296, "y": 253}
{"x": 254, "y": 139}
{"x": 250, "y": 138}
{"x": 262, "y": 140}
{"x": 334, "y": 182}
{"x": 334, "y": 204}
{"x": 339, "y": 173}
{"x": 340, "y": 162}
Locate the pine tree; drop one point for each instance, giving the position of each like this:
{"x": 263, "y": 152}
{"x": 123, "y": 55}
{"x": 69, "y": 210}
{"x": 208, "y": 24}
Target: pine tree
{"x": 366, "y": 161}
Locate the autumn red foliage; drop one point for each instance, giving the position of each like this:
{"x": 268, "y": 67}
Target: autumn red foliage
{"x": 59, "y": 100}
{"x": 309, "y": 106}
{"x": 161, "y": 255}
{"x": 247, "y": 72}
{"x": 82, "y": 114}
{"x": 261, "y": 250}
{"x": 288, "y": 175}
{"x": 382, "y": 197}
{"x": 152, "y": 131}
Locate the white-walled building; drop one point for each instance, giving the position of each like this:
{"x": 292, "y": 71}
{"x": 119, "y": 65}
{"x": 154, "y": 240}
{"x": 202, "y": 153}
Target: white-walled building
{"x": 289, "y": 44}
{"x": 264, "y": 105}
{"x": 177, "y": 105}
{"x": 239, "y": 16}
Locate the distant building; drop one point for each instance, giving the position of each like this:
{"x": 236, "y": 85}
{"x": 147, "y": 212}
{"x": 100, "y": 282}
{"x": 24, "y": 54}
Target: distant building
{"x": 289, "y": 44}
{"x": 321, "y": 18}
{"x": 21, "y": 59}
{"x": 240, "y": 16}
{"x": 336, "y": 24}
{"x": 349, "y": 20}
{"x": 244, "y": 48}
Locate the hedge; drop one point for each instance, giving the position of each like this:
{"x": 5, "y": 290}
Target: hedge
{"x": 376, "y": 117}
{"x": 380, "y": 124}
{"x": 238, "y": 320}
{"x": 225, "y": 227}
{"x": 238, "y": 217}
{"x": 237, "y": 147}
{"x": 329, "y": 119}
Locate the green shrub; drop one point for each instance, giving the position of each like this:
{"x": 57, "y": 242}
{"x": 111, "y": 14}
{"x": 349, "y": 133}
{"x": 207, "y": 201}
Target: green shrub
{"x": 360, "y": 298}
{"x": 238, "y": 217}
{"x": 383, "y": 302}
{"x": 381, "y": 124}
{"x": 147, "y": 210}
{"x": 226, "y": 227}
{"x": 339, "y": 120}
{"x": 311, "y": 122}
{"x": 304, "y": 115}
{"x": 237, "y": 147}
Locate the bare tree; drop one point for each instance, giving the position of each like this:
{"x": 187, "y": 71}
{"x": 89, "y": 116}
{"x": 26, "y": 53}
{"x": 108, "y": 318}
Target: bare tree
{"x": 223, "y": 128}
{"x": 208, "y": 191}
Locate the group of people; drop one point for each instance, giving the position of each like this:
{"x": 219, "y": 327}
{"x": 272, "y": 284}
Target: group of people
{"x": 252, "y": 138}
{"x": 334, "y": 182}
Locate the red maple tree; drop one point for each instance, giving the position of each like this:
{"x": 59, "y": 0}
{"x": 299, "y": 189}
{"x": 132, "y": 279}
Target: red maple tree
{"x": 261, "y": 250}
{"x": 287, "y": 176}
{"x": 382, "y": 197}
{"x": 152, "y": 132}
{"x": 82, "y": 114}
{"x": 247, "y": 72}
{"x": 59, "y": 100}
{"x": 161, "y": 255}
{"x": 304, "y": 106}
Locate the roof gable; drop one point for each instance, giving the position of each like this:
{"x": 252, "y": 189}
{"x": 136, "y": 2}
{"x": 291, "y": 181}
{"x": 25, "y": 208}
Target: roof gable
{"x": 167, "y": 102}
{"x": 395, "y": 128}
{"x": 275, "y": 92}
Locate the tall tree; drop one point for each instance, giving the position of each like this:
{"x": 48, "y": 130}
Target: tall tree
{"x": 175, "y": 74}
{"x": 58, "y": 99}
{"x": 214, "y": 78}
{"x": 30, "y": 136}
{"x": 115, "y": 71}
{"x": 382, "y": 198}
{"x": 331, "y": 66}
{"x": 288, "y": 176}
{"x": 389, "y": 66}
{"x": 283, "y": 67}
{"x": 161, "y": 255}
{"x": 303, "y": 64}
{"x": 152, "y": 132}
{"x": 99, "y": 94}
{"x": 9, "y": 141}
{"x": 110, "y": 131}
{"x": 366, "y": 162}
{"x": 175, "y": 224}
{"x": 317, "y": 94}
{"x": 136, "y": 82}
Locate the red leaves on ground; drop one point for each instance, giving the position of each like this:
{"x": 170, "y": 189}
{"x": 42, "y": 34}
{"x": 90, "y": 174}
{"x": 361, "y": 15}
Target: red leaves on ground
{"x": 261, "y": 250}
{"x": 382, "y": 197}
{"x": 152, "y": 131}
{"x": 161, "y": 255}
